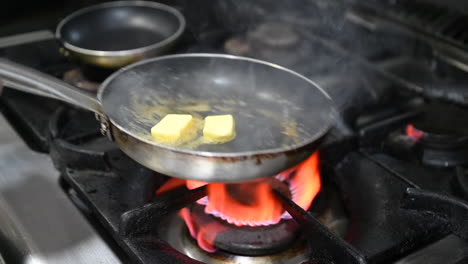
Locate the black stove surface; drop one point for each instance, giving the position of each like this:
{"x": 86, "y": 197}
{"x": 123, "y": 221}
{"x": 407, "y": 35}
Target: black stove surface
{"x": 402, "y": 195}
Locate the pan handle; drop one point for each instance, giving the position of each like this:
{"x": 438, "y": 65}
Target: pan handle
{"x": 29, "y": 80}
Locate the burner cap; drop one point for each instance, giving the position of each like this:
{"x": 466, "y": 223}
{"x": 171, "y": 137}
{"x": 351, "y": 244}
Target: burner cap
{"x": 275, "y": 34}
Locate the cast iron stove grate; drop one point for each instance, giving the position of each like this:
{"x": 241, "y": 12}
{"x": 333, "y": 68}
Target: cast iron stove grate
{"x": 388, "y": 212}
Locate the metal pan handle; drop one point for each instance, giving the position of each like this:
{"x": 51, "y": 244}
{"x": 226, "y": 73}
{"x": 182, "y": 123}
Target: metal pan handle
{"x": 32, "y": 81}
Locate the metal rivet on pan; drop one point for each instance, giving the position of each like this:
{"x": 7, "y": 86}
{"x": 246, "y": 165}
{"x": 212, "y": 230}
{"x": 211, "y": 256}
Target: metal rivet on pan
{"x": 104, "y": 128}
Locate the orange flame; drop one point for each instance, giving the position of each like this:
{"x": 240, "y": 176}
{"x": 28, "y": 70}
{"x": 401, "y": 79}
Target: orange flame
{"x": 251, "y": 203}
{"x": 259, "y": 206}
{"x": 173, "y": 183}
{"x": 414, "y": 133}
{"x": 204, "y": 239}
{"x": 193, "y": 184}
{"x": 306, "y": 184}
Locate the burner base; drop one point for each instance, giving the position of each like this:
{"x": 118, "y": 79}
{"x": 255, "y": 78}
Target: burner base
{"x": 179, "y": 237}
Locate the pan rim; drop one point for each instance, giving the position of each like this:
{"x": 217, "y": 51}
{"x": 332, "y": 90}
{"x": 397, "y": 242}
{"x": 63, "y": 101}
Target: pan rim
{"x": 155, "y": 5}
{"x": 331, "y": 111}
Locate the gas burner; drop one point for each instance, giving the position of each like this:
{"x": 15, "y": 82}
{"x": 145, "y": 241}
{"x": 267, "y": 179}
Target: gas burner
{"x": 442, "y": 133}
{"x": 180, "y": 239}
{"x": 277, "y": 42}
{"x": 270, "y": 35}
{"x": 434, "y": 134}
{"x": 236, "y": 46}
{"x": 275, "y": 34}
{"x": 240, "y": 240}
{"x": 87, "y": 77}
{"x": 280, "y": 243}
{"x": 248, "y": 218}
{"x": 77, "y": 78}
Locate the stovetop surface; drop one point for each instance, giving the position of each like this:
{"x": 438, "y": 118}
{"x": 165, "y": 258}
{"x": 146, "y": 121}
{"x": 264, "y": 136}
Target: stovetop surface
{"x": 403, "y": 200}
{"x": 374, "y": 185}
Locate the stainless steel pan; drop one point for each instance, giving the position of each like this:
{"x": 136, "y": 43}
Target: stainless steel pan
{"x": 280, "y": 115}
{"x": 115, "y": 34}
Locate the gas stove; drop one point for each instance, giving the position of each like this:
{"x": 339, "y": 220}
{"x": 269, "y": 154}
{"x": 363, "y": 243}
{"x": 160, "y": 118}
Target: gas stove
{"x": 388, "y": 184}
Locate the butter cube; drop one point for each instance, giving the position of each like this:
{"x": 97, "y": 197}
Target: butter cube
{"x": 172, "y": 128}
{"x": 219, "y": 128}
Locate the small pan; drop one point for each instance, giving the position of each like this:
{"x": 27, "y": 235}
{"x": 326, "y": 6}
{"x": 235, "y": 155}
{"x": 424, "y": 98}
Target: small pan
{"x": 115, "y": 34}
{"x": 280, "y": 115}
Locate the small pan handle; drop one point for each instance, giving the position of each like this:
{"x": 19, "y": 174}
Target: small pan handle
{"x": 29, "y": 80}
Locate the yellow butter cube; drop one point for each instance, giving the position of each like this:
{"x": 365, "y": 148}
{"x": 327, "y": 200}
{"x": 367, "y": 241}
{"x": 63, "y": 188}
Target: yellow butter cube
{"x": 172, "y": 128}
{"x": 219, "y": 128}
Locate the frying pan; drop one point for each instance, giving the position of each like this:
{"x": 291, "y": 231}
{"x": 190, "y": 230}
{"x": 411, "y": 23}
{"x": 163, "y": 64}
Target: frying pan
{"x": 115, "y": 34}
{"x": 280, "y": 115}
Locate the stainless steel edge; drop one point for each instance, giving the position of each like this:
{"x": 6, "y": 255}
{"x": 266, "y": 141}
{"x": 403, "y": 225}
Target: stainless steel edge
{"x": 26, "y": 88}
{"x": 38, "y": 222}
